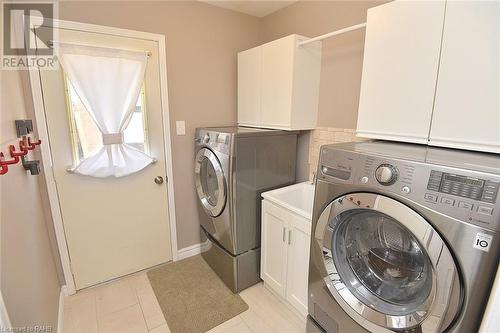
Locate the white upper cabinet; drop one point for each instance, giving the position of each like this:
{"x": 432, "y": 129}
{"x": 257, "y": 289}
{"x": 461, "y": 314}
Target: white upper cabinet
{"x": 432, "y": 75}
{"x": 400, "y": 68}
{"x": 249, "y": 68}
{"x": 278, "y": 84}
{"x": 467, "y": 108}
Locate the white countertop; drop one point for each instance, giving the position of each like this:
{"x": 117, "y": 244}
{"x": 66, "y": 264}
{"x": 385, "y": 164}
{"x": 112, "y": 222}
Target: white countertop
{"x": 297, "y": 198}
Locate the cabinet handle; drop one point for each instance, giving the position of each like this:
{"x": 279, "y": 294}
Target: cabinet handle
{"x": 283, "y": 234}
{"x": 289, "y": 236}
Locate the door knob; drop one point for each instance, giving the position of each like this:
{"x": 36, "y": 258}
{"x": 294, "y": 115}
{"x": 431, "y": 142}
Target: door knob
{"x": 159, "y": 180}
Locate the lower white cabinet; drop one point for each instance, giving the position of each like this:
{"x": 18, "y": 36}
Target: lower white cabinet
{"x": 285, "y": 254}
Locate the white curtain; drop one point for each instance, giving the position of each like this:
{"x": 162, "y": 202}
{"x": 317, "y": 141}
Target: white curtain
{"x": 108, "y": 82}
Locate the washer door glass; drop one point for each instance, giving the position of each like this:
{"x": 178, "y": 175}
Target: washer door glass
{"x": 375, "y": 250}
{"x": 210, "y": 184}
{"x": 386, "y": 265}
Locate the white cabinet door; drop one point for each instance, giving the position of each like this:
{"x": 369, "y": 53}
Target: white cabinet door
{"x": 274, "y": 248}
{"x": 277, "y": 81}
{"x": 249, "y": 86}
{"x": 400, "y": 66}
{"x": 467, "y": 108}
{"x": 298, "y": 263}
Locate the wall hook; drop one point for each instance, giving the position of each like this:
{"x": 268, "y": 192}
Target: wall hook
{"x": 23, "y": 129}
{"x": 12, "y": 161}
{"x": 22, "y": 147}
{"x": 32, "y": 145}
{"x": 3, "y": 169}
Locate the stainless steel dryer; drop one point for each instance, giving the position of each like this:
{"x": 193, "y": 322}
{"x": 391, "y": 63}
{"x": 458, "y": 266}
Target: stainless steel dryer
{"x": 233, "y": 166}
{"x": 405, "y": 238}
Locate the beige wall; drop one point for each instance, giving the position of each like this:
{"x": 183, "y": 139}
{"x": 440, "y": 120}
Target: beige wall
{"x": 202, "y": 42}
{"x": 342, "y": 57}
{"x": 28, "y": 272}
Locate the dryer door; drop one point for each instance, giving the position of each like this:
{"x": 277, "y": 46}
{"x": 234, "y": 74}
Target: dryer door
{"x": 210, "y": 184}
{"x": 386, "y": 265}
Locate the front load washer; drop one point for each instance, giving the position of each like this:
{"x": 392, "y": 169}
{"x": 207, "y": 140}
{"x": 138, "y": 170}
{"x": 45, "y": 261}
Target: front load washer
{"x": 405, "y": 238}
{"x": 233, "y": 166}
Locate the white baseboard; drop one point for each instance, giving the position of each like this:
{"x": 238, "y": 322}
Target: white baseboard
{"x": 192, "y": 250}
{"x": 60, "y": 317}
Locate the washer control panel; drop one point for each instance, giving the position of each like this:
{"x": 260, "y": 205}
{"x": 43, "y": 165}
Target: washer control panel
{"x": 463, "y": 186}
{"x": 466, "y": 195}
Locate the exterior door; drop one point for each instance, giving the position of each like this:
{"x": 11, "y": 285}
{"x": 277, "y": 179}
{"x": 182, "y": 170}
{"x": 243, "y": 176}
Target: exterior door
{"x": 113, "y": 226}
{"x": 386, "y": 265}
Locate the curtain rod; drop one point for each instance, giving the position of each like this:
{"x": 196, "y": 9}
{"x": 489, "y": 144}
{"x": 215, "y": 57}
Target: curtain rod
{"x": 334, "y": 33}
{"x": 50, "y": 44}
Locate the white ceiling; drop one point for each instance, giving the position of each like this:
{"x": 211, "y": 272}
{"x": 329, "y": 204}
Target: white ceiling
{"x": 258, "y": 8}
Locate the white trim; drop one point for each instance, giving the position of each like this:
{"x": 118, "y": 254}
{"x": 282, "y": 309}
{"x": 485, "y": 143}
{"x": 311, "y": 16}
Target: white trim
{"x": 162, "y": 56}
{"x": 465, "y": 144}
{"x": 192, "y": 250}
{"x": 278, "y": 127}
{"x": 60, "y": 314}
{"x": 392, "y": 136}
{"x": 4, "y": 315}
{"x": 491, "y": 320}
{"x": 36, "y": 89}
{"x": 46, "y": 155}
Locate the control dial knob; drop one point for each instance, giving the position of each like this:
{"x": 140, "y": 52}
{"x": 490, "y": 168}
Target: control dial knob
{"x": 206, "y": 138}
{"x": 386, "y": 174}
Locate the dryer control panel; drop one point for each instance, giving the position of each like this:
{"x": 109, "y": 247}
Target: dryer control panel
{"x": 220, "y": 142}
{"x": 466, "y": 195}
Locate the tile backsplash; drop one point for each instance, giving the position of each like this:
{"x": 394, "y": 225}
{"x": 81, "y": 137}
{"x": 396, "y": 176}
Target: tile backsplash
{"x": 327, "y": 135}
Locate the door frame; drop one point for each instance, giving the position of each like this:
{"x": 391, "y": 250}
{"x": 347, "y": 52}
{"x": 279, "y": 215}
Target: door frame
{"x": 46, "y": 153}
{"x": 4, "y": 315}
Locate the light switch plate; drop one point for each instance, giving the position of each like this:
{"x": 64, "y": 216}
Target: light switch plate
{"x": 180, "y": 127}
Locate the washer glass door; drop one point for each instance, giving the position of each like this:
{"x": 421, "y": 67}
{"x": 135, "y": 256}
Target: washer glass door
{"x": 375, "y": 250}
{"x": 381, "y": 259}
{"x": 210, "y": 182}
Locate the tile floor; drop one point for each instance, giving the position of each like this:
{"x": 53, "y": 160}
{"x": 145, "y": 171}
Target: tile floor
{"x": 129, "y": 305}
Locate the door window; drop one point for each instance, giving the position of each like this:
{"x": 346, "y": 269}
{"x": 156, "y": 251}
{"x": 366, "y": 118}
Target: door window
{"x": 86, "y": 137}
{"x": 376, "y": 251}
